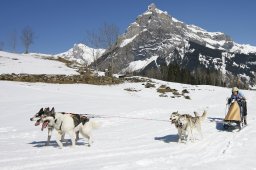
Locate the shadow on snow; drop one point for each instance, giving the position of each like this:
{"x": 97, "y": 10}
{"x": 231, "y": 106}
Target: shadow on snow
{"x": 168, "y": 138}
{"x": 218, "y": 122}
{"x": 66, "y": 142}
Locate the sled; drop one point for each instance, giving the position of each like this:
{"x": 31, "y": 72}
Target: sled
{"x": 233, "y": 118}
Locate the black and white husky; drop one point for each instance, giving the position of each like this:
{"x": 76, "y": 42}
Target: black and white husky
{"x": 43, "y": 112}
{"x": 69, "y": 123}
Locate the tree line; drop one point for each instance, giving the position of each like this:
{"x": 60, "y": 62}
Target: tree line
{"x": 199, "y": 76}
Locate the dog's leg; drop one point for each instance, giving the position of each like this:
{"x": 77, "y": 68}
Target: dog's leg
{"x": 88, "y": 136}
{"x": 190, "y": 131}
{"x": 200, "y": 132}
{"x": 188, "y": 134}
{"x": 90, "y": 139}
{"x": 179, "y": 134}
{"x": 192, "y": 135}
{"x": 86, "y": 133}
{"x": 72, "y": 135}
{"x": 77, "y": 136}
{"x": 63, "y": 137}
{"x": 185, "y": 136}
{"x": 58, "y": 138}
{"x": 49, "y": 136}
{"x": 76, "y": 130}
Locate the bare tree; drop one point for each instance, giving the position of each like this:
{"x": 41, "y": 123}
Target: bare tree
{"x": 13, "y": 41}
{"x": 104, "y": 37}
{"x": 109, "y": 34}
{"x": 93, "y": 40}
{"x": 27, "y": 38}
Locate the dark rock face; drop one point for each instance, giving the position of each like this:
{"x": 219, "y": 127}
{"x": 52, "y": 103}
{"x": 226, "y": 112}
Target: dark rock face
{"x": 158, "y": 39}
{"x": 233, "y": 63}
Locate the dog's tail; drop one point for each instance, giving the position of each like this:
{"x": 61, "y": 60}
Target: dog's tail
{"x": 203, "y": 116}
{"x": 94, "y": 124}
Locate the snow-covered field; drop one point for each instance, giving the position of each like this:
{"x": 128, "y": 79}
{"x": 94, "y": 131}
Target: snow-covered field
{"x": 139, "y": 140}
{"x": 32, "y": 64}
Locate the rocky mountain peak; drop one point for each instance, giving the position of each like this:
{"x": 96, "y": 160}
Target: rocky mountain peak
{"x": 152, "y": 7}
{"x": 81, "y": 53}
{"x": 157, "y": 39}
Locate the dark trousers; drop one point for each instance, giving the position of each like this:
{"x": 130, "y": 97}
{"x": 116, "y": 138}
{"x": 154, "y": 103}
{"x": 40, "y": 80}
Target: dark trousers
{"x": 243, "y": 107}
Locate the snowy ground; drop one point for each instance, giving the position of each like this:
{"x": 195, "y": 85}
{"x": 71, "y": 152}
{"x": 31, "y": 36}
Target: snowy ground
{"x": 32, "y": 64}
{"x": 122, "y": 143}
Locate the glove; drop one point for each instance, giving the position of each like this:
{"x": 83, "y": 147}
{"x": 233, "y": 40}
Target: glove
{"x": 228, "y": 100}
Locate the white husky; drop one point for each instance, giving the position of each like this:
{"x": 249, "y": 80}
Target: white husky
{"x": 65, "y": 123}
{"x": 186, "y": 124}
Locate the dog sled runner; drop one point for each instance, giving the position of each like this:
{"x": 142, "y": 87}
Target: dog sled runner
{"x": 234, "y": 118}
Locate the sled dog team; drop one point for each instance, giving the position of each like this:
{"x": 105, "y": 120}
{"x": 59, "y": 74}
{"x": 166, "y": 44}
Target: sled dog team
{"x": 75, "y": 124}
{"x": 65, "y": 123}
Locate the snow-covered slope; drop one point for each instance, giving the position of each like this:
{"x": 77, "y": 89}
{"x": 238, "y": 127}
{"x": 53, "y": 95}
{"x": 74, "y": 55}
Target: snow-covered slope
{"x": 135, "y": 133}
{"x": 81, "y": 54}
{"x": 31, "y": 64}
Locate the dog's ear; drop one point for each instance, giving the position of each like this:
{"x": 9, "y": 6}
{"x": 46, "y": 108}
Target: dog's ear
{"x": 41, "y": 110}
{"x": 46, "y": 109}
{"x": 53, "y": 110}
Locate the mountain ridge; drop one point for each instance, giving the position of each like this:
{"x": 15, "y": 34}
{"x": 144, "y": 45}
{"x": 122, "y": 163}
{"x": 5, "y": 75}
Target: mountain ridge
{"x": 158, "y": 37}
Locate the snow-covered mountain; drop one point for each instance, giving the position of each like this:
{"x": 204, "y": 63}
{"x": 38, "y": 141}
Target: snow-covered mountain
{"x": 156, "y": 39}
{"x": 82, "y": 54}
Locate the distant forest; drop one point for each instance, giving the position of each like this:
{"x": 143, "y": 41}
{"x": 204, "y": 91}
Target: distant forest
{"x": 200, "y": 76}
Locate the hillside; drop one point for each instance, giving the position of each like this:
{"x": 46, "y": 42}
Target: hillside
{"x": 32, "y": 64}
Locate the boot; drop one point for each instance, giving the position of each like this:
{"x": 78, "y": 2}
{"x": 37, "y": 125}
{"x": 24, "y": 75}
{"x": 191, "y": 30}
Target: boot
{"x": 245, "y": 120}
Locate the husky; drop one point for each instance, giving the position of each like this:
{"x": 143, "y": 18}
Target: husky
{"x": 38, "y": 118}
{"x": 188, "y": 124}
{"x": 70, "y": 124}
{"x": 175, "y": 120}
{"x": 44, "y": 112}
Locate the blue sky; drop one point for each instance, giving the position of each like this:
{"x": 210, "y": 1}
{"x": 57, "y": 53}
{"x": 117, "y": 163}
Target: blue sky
{"x": 59, "y": 24}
